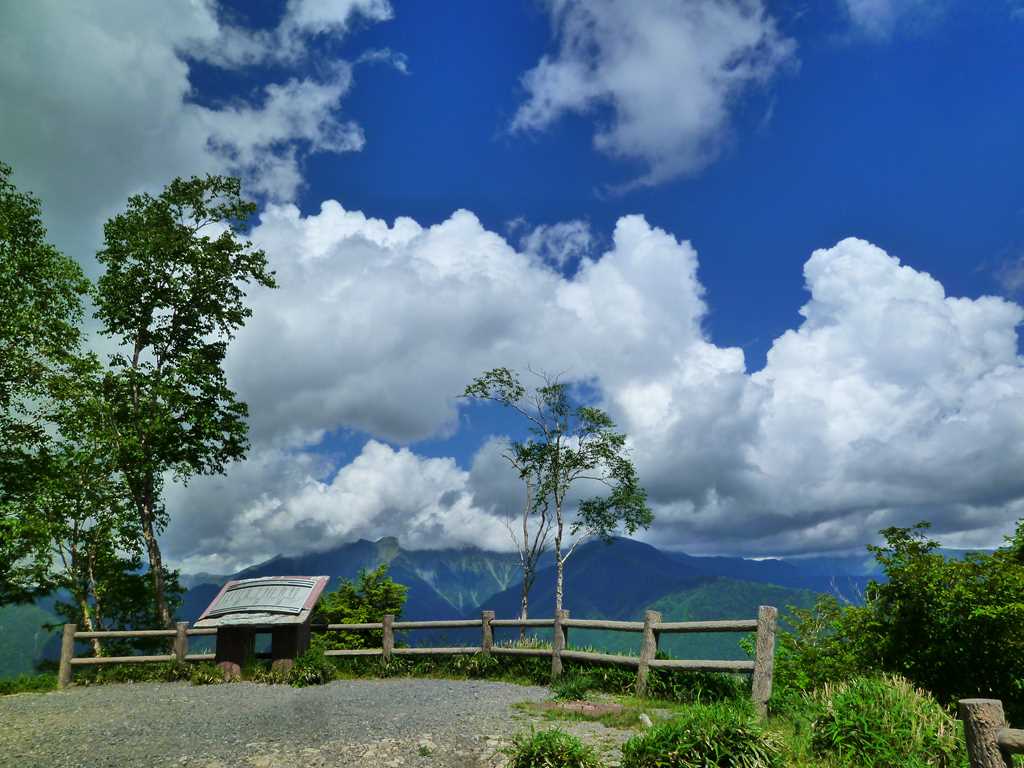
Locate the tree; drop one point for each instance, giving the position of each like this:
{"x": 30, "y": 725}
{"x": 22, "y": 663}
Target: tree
{"x": 363, "y": 603}
{"x": 173, "y": 296}
{"x": 569, "y": 445}
{"x": 40, "y": 312}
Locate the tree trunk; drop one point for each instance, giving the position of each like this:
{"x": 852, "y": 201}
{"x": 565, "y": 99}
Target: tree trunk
{"x": 90, "y": 626}
{"x": 559, "y": 572}
{"x": 155, "y": 566}
{"x": 523, "y": 610}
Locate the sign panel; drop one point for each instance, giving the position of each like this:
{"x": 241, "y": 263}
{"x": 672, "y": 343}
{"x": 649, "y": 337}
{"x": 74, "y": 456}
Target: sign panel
{"x": 268, "y": 601}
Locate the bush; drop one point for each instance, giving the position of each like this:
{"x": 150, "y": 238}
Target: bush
{"x": 877, "y": 722}
{"x": 725, "y": 735}
{"x": 28, "y": 684}
{"x": 550, "y": 749}
{"x": 364, "y": 602}
{"x": 312, "y": 668}
{"x": 572, "y": 687}
{"x": 206, "y": 674}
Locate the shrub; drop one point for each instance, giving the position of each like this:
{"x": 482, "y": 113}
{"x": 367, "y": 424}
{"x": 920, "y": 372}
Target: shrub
{"x": 364, "y": 602}
{"x": 721, "y": 734}
{"x": 28, "y": 684}
{"x": 572, "y": 687}
{"x": 206, "y": 674}
{"x": 312, "y": 668}
{"x": 550, "y": 749}
{"x": 877, "y": 722}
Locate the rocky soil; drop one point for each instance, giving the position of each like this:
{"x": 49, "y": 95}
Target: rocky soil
{"x": 346, "y": 724}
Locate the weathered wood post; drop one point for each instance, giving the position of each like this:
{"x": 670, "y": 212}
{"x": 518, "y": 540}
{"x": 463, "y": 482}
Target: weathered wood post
{"x": 180, "y": 648}
{"x": 764, "y": 658}
{"x": 388, "y": 642}
{"x": 67, "y": 652}
{"x": 486, "y": 631}
{"x": 558, "y": 644}
{"x": 983, "y": 719}
{"x": 648, "y": 648}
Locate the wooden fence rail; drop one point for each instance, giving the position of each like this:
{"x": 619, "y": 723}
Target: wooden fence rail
{"x": 651, "y": 628}
{"x": 990, "y": 743}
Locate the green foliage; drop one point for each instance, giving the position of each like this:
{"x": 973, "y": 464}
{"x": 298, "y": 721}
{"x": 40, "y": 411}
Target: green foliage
{"x": 723, "y": 735}
{"x": 312, "y": 668}
{"x": 878, "y": 722}
{"x": 39, "y": 683}
{"x": 172, "y": 297}
{"x": 550, "y": 749}
{"x": 40, "y": 312}
{"x": 364, "y": 602}
{"x": 206, "y": 674}
{"x": 572, "y": 687}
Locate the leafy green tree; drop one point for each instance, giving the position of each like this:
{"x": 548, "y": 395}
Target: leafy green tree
{"x": 570, "y": 445}
{"x": 364, "y": 602}
{"x": 173, "y": 296}
{"x": 40, "y": 313}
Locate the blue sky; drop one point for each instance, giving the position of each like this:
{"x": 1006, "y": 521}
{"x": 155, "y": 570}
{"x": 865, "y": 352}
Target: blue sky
{"x": 746, "y": 134}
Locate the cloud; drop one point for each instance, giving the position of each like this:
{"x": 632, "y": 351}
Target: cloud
{"x": 99, "y": 105}
{"x": 661, "y": 78}
{"x": 878, "y": 19}
{"x": 890, "y": 402}
{"x": 560, "y": 244}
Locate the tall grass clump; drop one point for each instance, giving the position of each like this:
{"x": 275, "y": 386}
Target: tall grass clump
{"x": 879, "y": 722}
{"x": 550, "y": 749}
{"x": 722, "y": 734}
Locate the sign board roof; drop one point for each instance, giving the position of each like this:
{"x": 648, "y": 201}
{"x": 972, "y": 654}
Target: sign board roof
{"x": 268, "y": 601}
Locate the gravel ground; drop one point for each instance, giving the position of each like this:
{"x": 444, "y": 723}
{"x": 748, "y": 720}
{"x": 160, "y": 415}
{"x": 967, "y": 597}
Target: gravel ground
{"x": 347, "y": 723}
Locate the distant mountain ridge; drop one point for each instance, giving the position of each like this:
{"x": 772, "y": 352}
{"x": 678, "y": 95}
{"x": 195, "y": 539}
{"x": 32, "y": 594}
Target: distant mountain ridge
{"x": 619, "y": 580}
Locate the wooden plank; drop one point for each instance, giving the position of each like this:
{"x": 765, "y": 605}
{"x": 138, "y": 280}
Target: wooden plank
{"x": 600, "y": 658}
{"x": 702, "y": 665}
{"x": 764, "y": 658}
{"x": 1011, "y": 740}
{"x": 355, "y": 652}
{"x": 127, "y": 633}
{"x": 435, "y": 651}
{"x": 100, "y": 660}
{"x": 200, "y": 656}
{"x": 454, "y": 624}
{"x": 352, "y": 627}
{"x": 983, "y": 721}
{"x": 728, "y": 625}
{"x": 523, "y": 623}
{"x": 201, "y": 631}
{"x": 616, "y": 626}
{"x": 67, "y": 655}
{"x": 500, "y": 651}
{"x": 648, "y": 648}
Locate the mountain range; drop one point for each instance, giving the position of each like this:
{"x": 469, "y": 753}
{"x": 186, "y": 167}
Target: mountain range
{"x": 616, "y": 580}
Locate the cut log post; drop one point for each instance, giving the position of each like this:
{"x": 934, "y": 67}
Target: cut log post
{"x": 486, "y": 631}
{"x": 235, "y": 646}
{"x": 648, "y": 649}
{"x": 983, "y": 719}
{"x": 180, "y": 649}
{"x": 67, "y": 652}
{"x": 558, "y": 644}
{"x": 764, "y": 658}
{"x": 388, "y": 641}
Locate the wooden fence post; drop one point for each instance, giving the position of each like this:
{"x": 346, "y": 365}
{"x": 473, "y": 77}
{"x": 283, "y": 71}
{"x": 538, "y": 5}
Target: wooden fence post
{"x": 388, "y": 642}
{"x": 181, "y": 642}
{"x": 764, "y": 658}
{"x": 487, "y": 631}
{"x": 67, "y": 652}
{"x": 558, "y": 644}
{"x": 983, "y": 718}
{"x": 648, "y": 649}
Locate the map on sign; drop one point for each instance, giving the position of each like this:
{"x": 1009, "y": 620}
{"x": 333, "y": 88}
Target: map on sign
{"x": 273, "y": 600}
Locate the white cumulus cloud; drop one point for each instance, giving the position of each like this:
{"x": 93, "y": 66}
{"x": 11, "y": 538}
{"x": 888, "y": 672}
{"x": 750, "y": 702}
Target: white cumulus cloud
{"x": 666, "y": 74}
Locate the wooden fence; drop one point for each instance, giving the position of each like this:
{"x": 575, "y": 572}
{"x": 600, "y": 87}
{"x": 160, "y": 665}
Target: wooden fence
{"x": 651, "y": 628}
{"x": 990, "y": 743}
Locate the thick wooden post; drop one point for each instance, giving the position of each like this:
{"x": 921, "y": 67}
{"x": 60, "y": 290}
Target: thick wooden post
{"x": 67, "y": 652}
{"x": 764, "y": 658}
{"x": 648, "y": 649}
{"x": 181, "y": 642}
{"x": 983, "y": 718}
{"x": 486, "y": 631}
{"x": 558, "y": 644}
{"x": 388, "y": 642}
